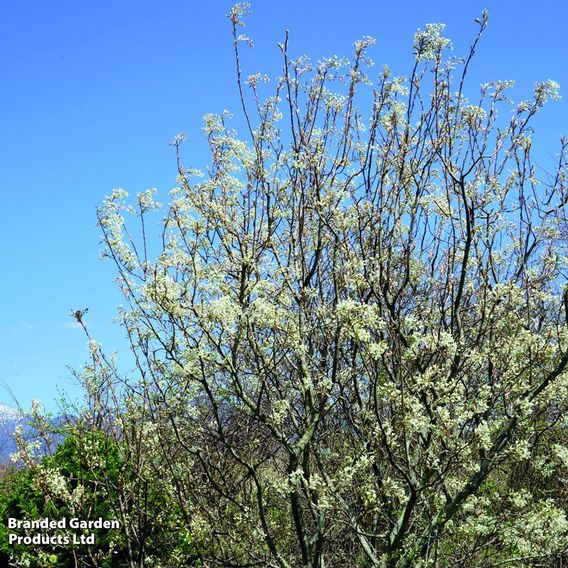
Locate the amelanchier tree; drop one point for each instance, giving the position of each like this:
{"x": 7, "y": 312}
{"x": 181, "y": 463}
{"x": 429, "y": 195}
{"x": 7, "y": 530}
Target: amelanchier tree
{"x": 352, "y": 345}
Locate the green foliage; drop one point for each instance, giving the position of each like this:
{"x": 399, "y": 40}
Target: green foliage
{"x": 19, "y": 498}
{"x": 88, "y": 477}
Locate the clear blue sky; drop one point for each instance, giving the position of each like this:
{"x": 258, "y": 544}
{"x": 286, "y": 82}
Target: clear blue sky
{"x": 92, "y": 92}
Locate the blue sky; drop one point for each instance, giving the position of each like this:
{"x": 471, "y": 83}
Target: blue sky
{"x": 92, "y": 92}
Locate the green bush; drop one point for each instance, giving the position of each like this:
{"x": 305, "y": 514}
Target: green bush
{"x": 88, "y": 477}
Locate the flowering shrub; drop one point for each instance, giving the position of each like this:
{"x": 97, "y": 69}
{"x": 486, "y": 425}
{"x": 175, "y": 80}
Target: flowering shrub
{"x": 352, "y": 345}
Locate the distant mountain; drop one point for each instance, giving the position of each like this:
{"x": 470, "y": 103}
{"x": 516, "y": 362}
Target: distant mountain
{"x": 9, "y": 413}
{"x": 10, "y": 419}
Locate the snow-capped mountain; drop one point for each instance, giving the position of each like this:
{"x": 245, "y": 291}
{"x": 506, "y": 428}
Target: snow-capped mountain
{"x": 9, "y": 419}
{"x": 9, "y": 413}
